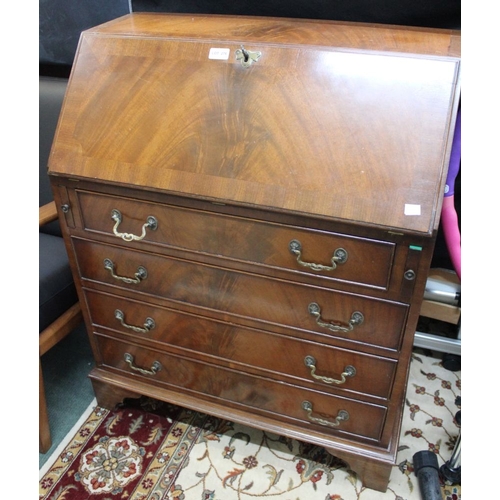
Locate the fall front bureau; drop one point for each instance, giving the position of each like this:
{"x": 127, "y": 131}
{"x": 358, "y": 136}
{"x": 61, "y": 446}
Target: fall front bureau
{"x": 250, "y": 207}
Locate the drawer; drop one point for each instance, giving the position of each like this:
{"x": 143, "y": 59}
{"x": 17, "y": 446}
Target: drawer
{"x": 292, "y": 249}
{"x": 233, "y": 294}
{"x": 295, "y": 359}
{"x": 257, "y": 394}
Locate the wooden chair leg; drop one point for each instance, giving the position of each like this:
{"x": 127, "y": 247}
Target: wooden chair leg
{"x": 45, "y": 441}
{"x": 54, "y": 333}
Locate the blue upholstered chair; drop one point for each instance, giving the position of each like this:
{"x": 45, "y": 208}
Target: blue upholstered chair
{"x": 60, "y": 311}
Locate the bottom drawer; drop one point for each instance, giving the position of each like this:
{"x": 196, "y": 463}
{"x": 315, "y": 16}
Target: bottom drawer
{"x": 258, "y": 394}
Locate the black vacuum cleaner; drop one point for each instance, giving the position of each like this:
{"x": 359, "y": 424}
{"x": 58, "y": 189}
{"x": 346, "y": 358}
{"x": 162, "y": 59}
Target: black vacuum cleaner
{"x": 429, "y": 473}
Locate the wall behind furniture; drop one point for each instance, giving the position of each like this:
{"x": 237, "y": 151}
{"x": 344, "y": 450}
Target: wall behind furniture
{"x": 60, "y": 25}
{"x": 428, "y": 13}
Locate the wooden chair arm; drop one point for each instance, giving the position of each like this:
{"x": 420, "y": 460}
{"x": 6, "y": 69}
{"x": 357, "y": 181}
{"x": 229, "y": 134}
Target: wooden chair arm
{"x": 48, "y": 213}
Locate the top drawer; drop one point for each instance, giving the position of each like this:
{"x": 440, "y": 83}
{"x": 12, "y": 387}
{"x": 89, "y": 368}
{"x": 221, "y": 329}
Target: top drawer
{"x": 304, "y": 252}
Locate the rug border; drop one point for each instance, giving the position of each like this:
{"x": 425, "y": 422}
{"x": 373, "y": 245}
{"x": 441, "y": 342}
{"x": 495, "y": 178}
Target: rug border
{"x": 69, "y": 436}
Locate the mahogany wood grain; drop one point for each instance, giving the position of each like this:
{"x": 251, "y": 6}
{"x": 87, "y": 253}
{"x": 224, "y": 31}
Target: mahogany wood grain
{"x": 264, "y": 300}
{"x": 338, "y": 136}
{"x": 109, "y": 396}
{"x": 230, "y": 387}
{"x": 316, "y": 130}
{"x": 374, "y": 475}
{"x": 244, "y": 348}
{"x": 369, "y": 262}
{"x": 289, "y": 31}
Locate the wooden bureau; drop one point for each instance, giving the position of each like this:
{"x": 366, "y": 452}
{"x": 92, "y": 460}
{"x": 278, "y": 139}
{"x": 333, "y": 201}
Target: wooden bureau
{"x": 250, "y": 207}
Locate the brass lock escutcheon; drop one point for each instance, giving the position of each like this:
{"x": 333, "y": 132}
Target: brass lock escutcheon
{"x": 247, "y": 57}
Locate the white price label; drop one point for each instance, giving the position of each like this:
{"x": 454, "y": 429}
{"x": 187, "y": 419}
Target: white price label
{"x": 220, "y": 54}
{"x": 412, "y": 209}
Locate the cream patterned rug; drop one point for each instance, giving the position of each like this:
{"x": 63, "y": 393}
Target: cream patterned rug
{"x": 148, "y": 450}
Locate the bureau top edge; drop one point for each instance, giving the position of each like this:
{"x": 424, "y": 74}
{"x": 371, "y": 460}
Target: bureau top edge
{"x": 312, "y": 32}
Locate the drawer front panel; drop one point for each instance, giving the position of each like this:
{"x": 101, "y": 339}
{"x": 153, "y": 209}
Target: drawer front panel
{"x": 227, "y": 386}
{"x": 368, "y": 262}
{"x": 240, "y": 346}
{"x": 271, "y": 301}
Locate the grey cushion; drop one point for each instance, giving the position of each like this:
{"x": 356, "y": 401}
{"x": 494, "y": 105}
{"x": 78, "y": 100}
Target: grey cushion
{"x": 57, "y": 291}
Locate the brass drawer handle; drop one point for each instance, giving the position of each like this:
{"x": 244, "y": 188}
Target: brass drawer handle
{"x": 339, "y": 257}
{"x": 151, "y": 223}
{"x": 349, "y": 371}
{"x": 155, "y": 367}
{"x": 149, "y": 324}
{"x": 140, "y": 275}
{"x": 342, "y": 416}
{"x": 335, "y": 326}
